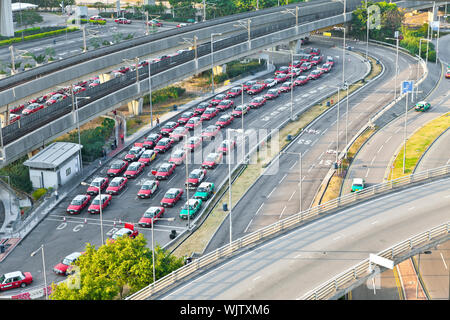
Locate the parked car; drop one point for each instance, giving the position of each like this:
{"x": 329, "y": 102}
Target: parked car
{"x": 316, "y": 60}
{"x": 97, "y": 18}
{"x": 248, "y": 84}
{"x": 179, "y": 133}
{"x": 301, "y": 80}
{"x": 167, "y": 129}
{"x": 226, "y": 146}
{"x": 116, "y": 185}
{"x": 209, "y": 114}
{"x": 163, "y": 145}
{"x": 14, "y": 280}
{"x": 155, "y": 23}
{"x": 269, "y": 83}
{"x": 257, "y": 102}
{"x": 201, "y": 107}
{"x": 126, "y": 231}
{"x": 148, "y": 188}
{"x": 193, "y": 123}
{"x": 134, "y": 169}
{"x": 212, "y": 160}
{"x": 204, "y": 191}
{"x": 281, "y": 77}
{"x": 315, "y": 74}
{"x": 13, "y": 118}
{"x": 134, "y": 154}
{"x": 193, "y": 143}
{"x": 195, "y": 178}
{"x": 272, "y": 94}
{"x": 190, "y": 208}
{"x": 95, "y": 205}
{"x": 326, "y": 67}
{"x": 150, "y": 216}
{"x": 240, "y": 110}
{"x": 210, "y": 132}
{"x": 148, "y": 156}
{"x": 224, "y": 105}
{"x": 185, "y": 116}
{"x": 306, "y": 66}
{"x": 63, "y": 268}
{"x": 315, "y": 51}
{"x": 234, "y": 92}
{"x": 122, "y": 21}
{"x": 32, "y": 108}
{"x": 151, "y": 140}
{"x": 171, "y": 197}
{"x": 295, "y": 64}
{"x": 78, "y": 204}
{"x": 283, "y": 69}
{"x": 224, "y": 120}
{"x": 164, "y": 171}
{"x": 177, "y": 157}
{"x": 117, "y": 167}
{"x": 286, "y": 87}
{"x": 216, "y": 100}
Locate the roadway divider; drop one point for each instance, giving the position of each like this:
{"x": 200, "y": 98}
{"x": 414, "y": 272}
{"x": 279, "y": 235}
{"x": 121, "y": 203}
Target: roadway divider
{"x": 342, "y": 283}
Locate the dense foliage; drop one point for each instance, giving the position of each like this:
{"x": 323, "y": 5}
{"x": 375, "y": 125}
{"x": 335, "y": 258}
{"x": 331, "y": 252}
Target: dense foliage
{"x": 19, "y": 175}
{"x": 106, "y": 272}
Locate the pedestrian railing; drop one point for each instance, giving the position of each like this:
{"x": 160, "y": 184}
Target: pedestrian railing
{"x": 294, "y": 221}
{"x": 330, "y": 288}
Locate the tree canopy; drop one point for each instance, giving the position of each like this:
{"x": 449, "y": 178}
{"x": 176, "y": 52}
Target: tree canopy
{"x": 105, "y": 273}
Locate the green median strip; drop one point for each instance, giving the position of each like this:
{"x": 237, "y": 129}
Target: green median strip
{"x": 417, "y": 144}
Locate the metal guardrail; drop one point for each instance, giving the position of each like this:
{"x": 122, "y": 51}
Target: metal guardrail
{"x": 362, "y": 269}
{"x": 290, "y": 222}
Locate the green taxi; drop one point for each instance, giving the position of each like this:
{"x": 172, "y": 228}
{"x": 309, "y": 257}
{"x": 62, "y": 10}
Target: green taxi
{"x": 204, "y": 191}
{"x": 422, "y": 106}
{"x": 194, "y": 208}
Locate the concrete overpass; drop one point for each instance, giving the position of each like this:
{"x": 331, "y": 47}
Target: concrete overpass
{"x": 328, "y": 254}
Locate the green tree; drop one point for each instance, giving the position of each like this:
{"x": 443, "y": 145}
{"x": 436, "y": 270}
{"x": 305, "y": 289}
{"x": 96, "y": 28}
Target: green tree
{"x": 27, "y": 17}
{"x": 104, "y": 273}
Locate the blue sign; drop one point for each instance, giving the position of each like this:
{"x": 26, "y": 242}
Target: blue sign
{"x": 407, "y": 86}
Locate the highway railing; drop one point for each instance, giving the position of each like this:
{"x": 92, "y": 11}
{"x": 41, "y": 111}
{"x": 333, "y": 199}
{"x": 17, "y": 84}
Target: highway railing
{"x": 397, "y": 253}
{"x": 290, "y": 222}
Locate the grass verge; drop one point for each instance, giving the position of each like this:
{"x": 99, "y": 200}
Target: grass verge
{"x": 417, "y": 144}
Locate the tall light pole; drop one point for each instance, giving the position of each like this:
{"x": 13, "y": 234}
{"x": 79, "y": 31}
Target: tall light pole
{"x": 243, "y": 134}
{"x": 43, "y": 267}
{"x": 343, "y": 48}
{"x": 229, "y": 179}
{"x": 418, "y": 272}
{"x": 100, "y": 206}
{"x": 418, "y": 64}
{"x": 367, "y": 27}
{"x": 150, "y": 92}
{"x": 136, "y": 63}
{"x": 212, "y": 59}
{"x": 78, "y": 129}
{"x": 13, "y": 64}
{"x": 404, "y": 131}
{"x": 185, "y": 137}
{"x": 247, "y": 27}
{"x": 146, "y": 23}
{"x": 204, "y": 11}
{"x": 337, "y": 123}
{"x": 153, "y": 246}
{"x": 294, "y": 13}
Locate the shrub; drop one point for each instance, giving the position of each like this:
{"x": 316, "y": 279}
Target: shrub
{"x": 19, "y": 175}
{"x": 38, "y": 193}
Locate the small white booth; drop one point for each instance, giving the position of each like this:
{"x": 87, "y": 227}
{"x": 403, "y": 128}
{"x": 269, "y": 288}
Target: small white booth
{"x": 55, "y": 165}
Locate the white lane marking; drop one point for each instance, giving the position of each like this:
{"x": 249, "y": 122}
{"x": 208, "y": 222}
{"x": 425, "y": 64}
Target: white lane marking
{"x": 388, "y": 139}
{"x": 292, "y": 195}
{"x": 297, "y": 256}
{"x": 248, "y": 225}
{"x": 373, "y": 160}
{"x": 398, "y": 130}
{"x": 256, "y": 278}
{"x": 282, "y": 178}
{"x": 367, "y": 173}
{"x": 305, "y": 95}
{"x": 374, "y": 222}
{"x": 271, "y": 193}
{"x": 320, "y": 155}
{"x": 380, "y": 148}
{"x": 282, "y": 212}
{"x": 445, "y": 265}
{"x": 412, "y": 208}
{"x": 259, "y": 209}
{"x": 338, "y": 237}
{"x": 293, "y": 165}
{"x": 324, "y": 131}
{"x": 314, "y": 142}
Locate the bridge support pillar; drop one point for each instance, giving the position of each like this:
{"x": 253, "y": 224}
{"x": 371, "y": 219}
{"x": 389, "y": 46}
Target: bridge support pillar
{"x": 135, "y": 106}
{"x": 295, "y": 46}
{"x": 6, "y": 19}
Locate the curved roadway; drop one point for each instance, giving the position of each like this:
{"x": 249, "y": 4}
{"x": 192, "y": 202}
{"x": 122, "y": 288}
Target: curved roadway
{"x": 291, "y": 265}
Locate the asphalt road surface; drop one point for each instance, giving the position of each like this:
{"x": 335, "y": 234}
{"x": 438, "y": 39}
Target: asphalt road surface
{"x": 61, "y": 238}
{"x": 275, "y": 196}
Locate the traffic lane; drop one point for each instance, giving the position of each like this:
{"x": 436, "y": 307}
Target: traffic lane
{"x": 315, "y": 177}
{"x": 434, "y": 270}
{"x": 438, "y": 155}
{"x": 375, "y": 156}
{"x": 115, "y": 211}
{"x": 326, "y": 248}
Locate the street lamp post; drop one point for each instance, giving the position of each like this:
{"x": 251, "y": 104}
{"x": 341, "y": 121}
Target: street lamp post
{"x": 404, "y": 132}
{"x": 187, "y": 179}
{"x": 229, "y": 180}
{"x": 418, "y": 64}
{"x": 78, "y": 129}
{"x": 418, "y": 272}
{"x": 150, "y": 92}
{"x": 247, "y": 27}
{"x": 136, "y": 63}
{"x": 153, "y": 246}
{"x": 43, "y": 267}
{"x": 243, "y": 134}
{"x": 212, "y": 59}
{"x": 100, "y": 206}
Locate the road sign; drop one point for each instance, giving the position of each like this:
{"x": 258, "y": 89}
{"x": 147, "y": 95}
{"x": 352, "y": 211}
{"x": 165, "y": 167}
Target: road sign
{"x": 396, "y": 34}
{"x": 381, "y": 261}
{"x": 435, "y": 25}
{"x": 327, "y": 34}
{"x": 407, "y": 86}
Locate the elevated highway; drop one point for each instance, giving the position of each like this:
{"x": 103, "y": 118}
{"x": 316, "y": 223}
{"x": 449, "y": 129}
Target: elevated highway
{"x": 291, "y": 265}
